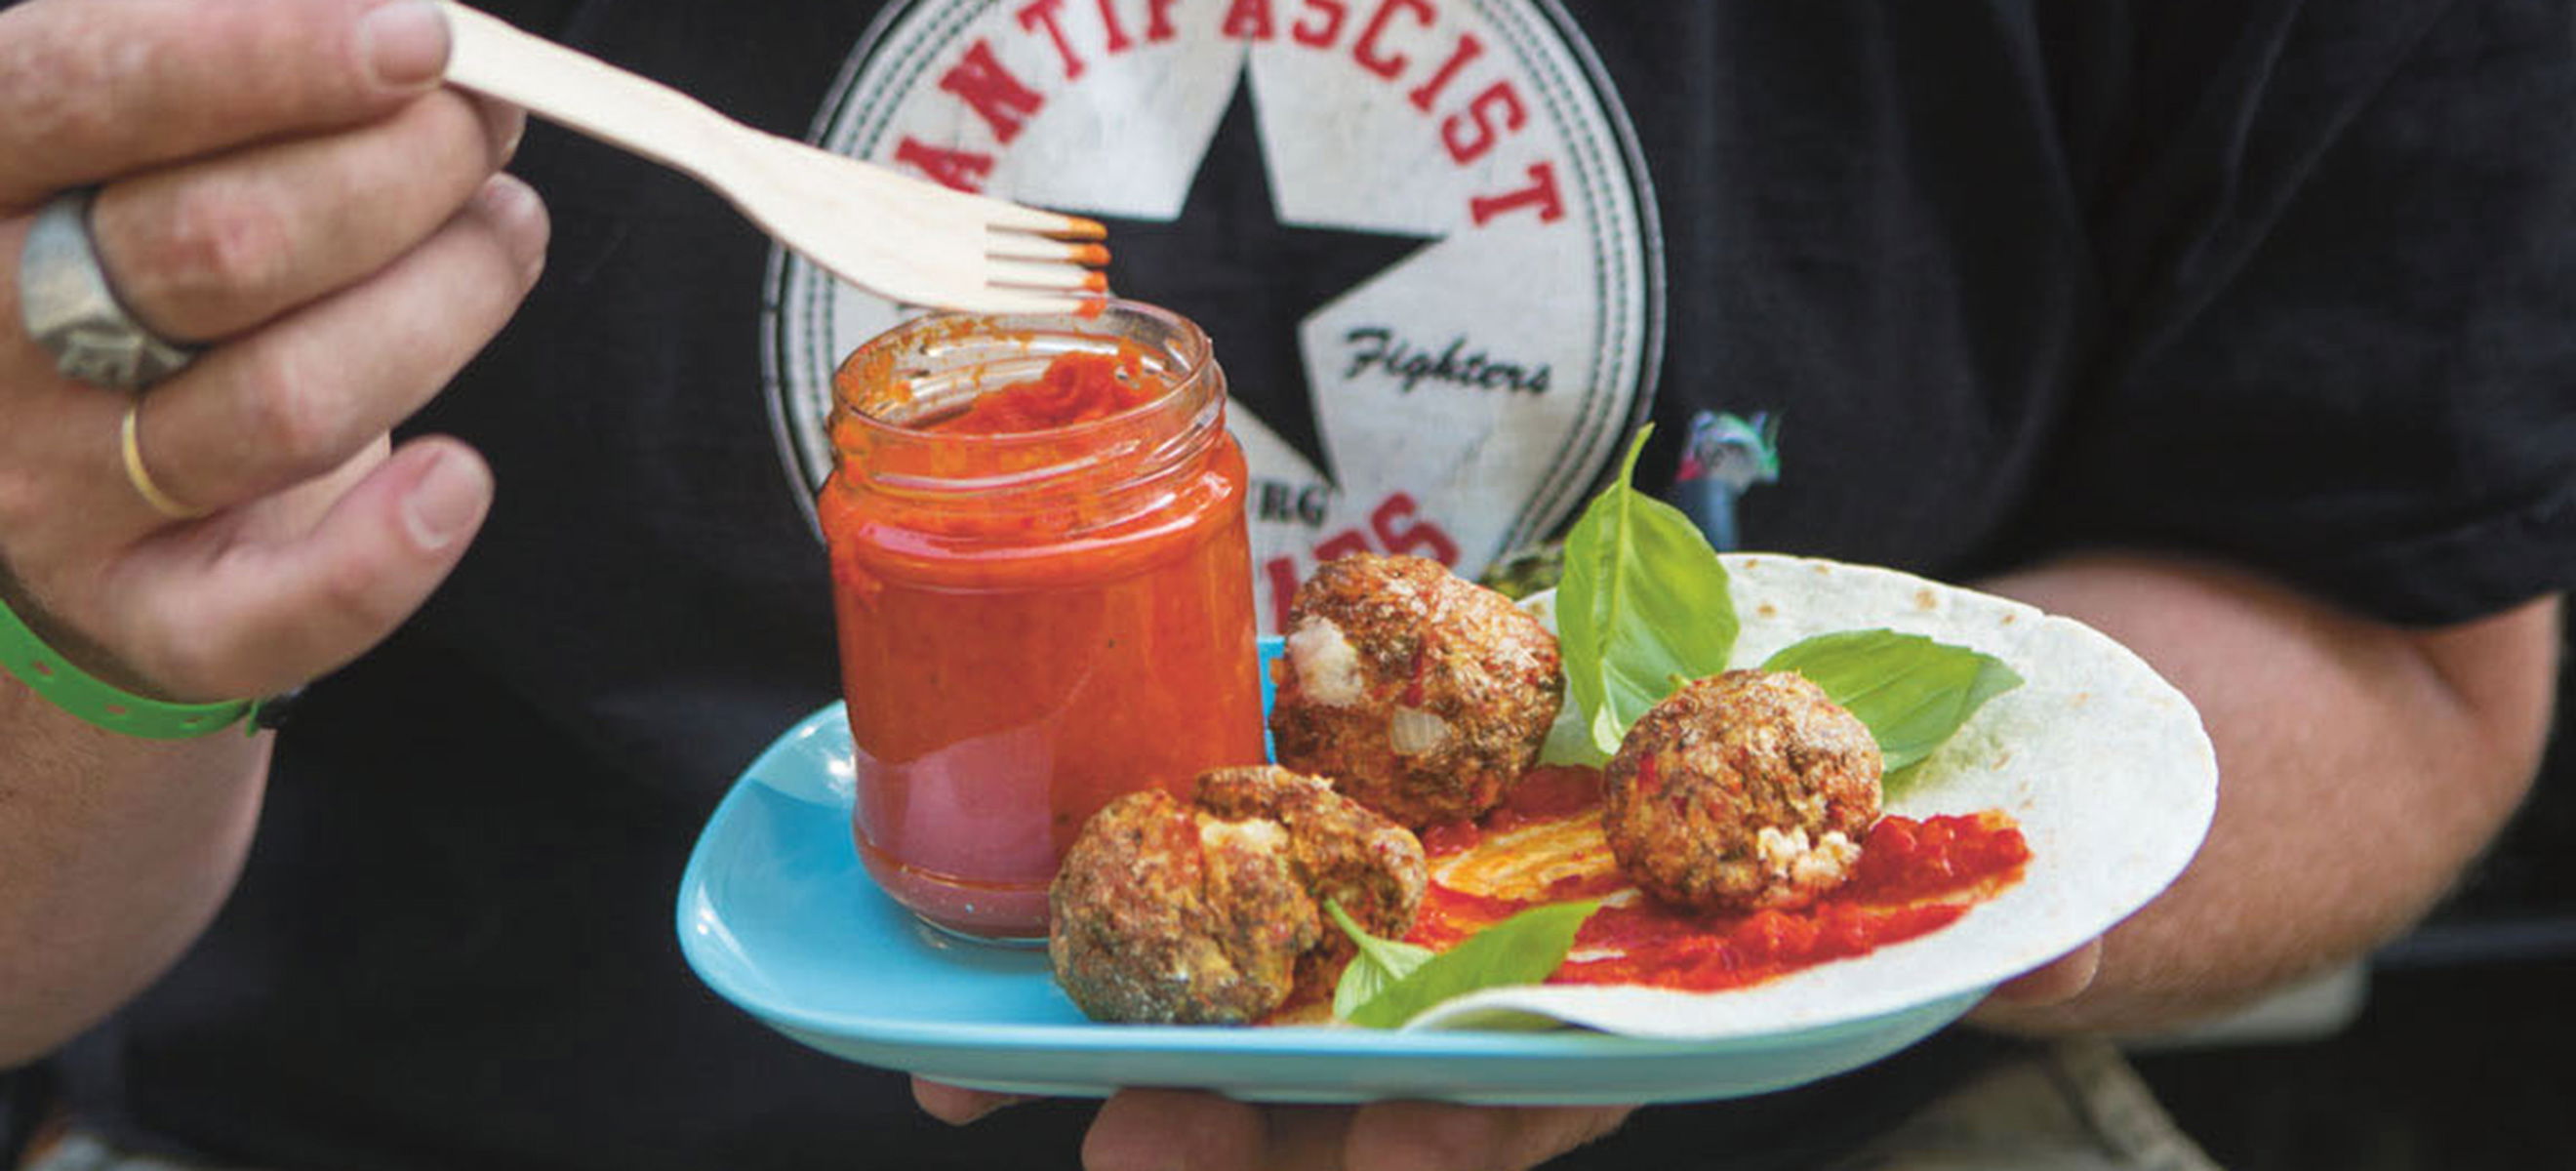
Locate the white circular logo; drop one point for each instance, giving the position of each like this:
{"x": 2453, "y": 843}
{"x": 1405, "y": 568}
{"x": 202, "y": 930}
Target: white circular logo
{"x": 1419, "y": 232}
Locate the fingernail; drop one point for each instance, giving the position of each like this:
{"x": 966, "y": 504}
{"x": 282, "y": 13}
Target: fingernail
{"x": 987, "y": 1108}
{"x": 512, "y": 125}
{"x": 404, "y": 44}
{"x": 521, "y": 216}
{"x": 446, "y": 501}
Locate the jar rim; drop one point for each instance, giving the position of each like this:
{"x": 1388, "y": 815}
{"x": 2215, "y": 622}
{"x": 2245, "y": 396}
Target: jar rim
{"x": 1188, "y": 344}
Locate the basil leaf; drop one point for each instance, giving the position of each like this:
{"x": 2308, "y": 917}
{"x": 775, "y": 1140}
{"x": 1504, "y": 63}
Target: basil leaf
{"x": 1569, "y": 741}
{"x": 1523, "y": 949}
{"x": 1911, "y": 691}
{"x": 1378, "y": 966}
{"x": 1644, "y": 599}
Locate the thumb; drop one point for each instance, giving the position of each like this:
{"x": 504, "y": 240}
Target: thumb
{"x": 236, "y": 614}
{"x": 2055, "y": 982}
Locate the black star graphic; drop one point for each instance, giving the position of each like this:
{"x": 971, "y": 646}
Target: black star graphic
{"x": 1248, "y": 279}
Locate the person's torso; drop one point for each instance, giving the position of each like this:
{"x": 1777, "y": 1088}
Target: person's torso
{"x": 1451, "y": 252}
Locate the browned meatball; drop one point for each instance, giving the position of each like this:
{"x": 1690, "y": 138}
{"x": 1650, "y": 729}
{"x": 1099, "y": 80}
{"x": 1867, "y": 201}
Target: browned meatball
{"x": 1339, "y": 849}
{"x": 1421, "y": 694}
{"x": 1743, "y": 790}
{"x": 1209, "y": 912}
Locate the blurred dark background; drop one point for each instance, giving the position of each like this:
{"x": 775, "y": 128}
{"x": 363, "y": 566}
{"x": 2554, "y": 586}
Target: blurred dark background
{"x": 2459, "y": 1056}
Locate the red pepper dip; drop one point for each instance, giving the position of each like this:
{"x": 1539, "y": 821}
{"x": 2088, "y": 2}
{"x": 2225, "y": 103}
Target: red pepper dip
{"x": 1043, "y": 590}
{"x": 1545, "y": 846}
{"x": 1074, "y": 388}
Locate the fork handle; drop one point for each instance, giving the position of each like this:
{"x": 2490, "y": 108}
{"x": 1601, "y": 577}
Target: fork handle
{"x": 581, "y": 92}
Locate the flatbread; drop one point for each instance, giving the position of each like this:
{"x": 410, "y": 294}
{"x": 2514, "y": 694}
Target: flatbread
{"x": 2103, "y": 763}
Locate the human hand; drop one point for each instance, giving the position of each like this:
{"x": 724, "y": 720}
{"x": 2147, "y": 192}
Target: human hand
{"x": 1162, "y": 1130}
{"x": 1138, "y": 1130}
{"x": 285, "y": 183}
{"x": 2047, "y": 986}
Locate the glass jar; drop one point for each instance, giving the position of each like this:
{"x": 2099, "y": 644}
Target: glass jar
{"x": 1039, "y": 609}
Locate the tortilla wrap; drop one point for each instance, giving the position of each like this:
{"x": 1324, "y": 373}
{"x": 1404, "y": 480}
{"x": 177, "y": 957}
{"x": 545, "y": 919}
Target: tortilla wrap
{"x": 2104, "y": 764}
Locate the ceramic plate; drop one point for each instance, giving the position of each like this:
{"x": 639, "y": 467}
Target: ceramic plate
{"x": 2105, "y": 766}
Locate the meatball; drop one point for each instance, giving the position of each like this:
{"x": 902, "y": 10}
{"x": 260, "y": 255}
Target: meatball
{"x": 1743, "y": 790}
{"x": 1422, "y": 695}
{"x": 1210, "y": 912}
{"x": 1339, "y": 850}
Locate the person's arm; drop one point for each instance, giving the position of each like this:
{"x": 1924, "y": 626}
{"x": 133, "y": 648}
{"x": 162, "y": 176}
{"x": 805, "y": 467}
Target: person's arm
{"x": 2362, "y": 766}
{"x": 285, "y": 183}
{"x": 114, "y": 854}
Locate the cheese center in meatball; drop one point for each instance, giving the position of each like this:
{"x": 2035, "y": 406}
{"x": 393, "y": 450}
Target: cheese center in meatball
{"x": 1257, "y": 835}
{"x": 1413, "y": 732}
{"x": 1788, "y": 855}
{"x": 1327, "y": 665}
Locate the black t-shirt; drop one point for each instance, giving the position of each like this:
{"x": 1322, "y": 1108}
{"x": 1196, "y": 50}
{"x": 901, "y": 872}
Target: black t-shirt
{"x": 2283, "y": 283}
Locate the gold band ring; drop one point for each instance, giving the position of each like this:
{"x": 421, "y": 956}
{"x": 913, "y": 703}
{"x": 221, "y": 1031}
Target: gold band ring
{"x": 141, "y": 477}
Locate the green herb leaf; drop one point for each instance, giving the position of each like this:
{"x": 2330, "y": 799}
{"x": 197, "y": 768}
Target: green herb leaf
{"x": 1569, "y": 740}
{"x": 1911, "y": 691}
{"x": 1378, "y": 966}
{"x": 1523, "y": 949}
{"x": 1644, "y": 599}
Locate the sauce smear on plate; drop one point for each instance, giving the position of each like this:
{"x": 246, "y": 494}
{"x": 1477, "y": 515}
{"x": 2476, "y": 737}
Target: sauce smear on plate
{"x": 1545, "y": 846}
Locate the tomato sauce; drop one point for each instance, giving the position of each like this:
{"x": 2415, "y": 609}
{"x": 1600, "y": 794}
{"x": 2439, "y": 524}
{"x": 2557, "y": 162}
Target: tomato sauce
{"x": 1546, "y": 793}
{"x": 1074, "y": 388}
{"x": 1914, "y": 877}
{"x": 1044, "y": 596}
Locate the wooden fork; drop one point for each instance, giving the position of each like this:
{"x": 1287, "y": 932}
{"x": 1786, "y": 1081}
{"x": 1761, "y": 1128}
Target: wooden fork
{"x": 905, "y": 238}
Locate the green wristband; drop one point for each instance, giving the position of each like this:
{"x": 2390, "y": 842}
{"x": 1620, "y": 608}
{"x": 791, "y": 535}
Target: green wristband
{"x": 102, "y": 703}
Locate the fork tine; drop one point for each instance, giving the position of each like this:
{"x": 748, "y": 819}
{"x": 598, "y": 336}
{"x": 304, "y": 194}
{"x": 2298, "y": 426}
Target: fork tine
{"x": 1006, "y": 300}
{"x": 1021, "y": 274}
{"x": 1019, "y": 218}
{"x": 1007, "y": 245}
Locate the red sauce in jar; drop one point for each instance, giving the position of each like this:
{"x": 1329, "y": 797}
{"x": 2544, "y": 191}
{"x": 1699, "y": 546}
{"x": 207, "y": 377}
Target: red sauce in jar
{"x": 1914, "y": 877}
{"x": 1074, "y": 388}
{"x": 1044, "y": 598}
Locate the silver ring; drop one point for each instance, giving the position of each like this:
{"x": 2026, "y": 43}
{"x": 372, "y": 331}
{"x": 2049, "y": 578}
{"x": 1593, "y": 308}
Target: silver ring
{"x": 68, "y": 307}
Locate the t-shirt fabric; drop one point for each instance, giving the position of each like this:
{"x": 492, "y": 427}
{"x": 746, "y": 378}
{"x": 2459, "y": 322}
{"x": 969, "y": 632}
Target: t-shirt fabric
{"x": 2277, "y": 282}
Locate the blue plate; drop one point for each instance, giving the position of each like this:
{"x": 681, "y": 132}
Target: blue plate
{"x": 2109, "y": 775}
{"x": 777, "y": 916}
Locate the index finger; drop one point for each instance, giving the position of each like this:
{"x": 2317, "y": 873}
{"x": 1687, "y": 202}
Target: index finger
{"x": 957, "y": 1105}
{"x": 1442, "y": 1136}
{"x": 1146, "y": 1128}
{"x": 90, "y": 89}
